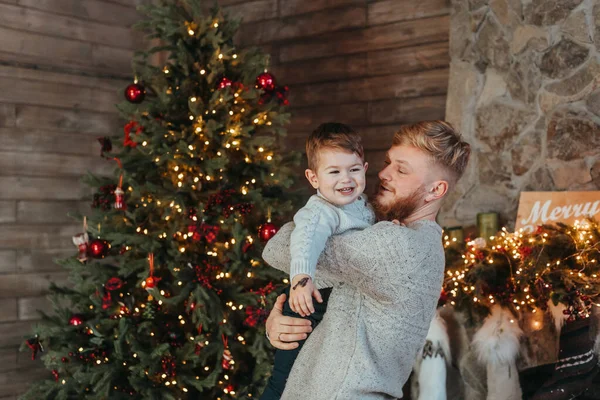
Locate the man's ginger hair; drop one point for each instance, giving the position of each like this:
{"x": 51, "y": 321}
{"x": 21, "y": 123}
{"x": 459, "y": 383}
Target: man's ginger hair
{"x": 441, "y": 141}
{"x": 332, "y": 135}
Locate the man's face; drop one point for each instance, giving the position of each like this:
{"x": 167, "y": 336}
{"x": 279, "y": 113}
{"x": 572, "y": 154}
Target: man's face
{"x": 402, "y": 182}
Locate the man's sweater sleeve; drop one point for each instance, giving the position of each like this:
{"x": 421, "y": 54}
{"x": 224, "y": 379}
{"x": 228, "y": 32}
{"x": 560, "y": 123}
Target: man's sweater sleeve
{"x": 314, "y": 225}
{"x": 364, "y": 259}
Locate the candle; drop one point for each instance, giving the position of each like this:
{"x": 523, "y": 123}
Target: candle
{"x": 456, "y": 236}
{"x": 487, "y": 223}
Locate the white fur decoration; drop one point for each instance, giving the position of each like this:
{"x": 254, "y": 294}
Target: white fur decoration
{"x": 497, "y": 341}
{"x": 557, "y": 314}
{"x": 497, "y": 345}
{"x": 431, "y": 371}
{"x": 438, "y": 334}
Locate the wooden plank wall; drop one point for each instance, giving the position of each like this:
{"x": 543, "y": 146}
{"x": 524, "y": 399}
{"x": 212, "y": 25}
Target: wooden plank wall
{"x": 63, "y": 65}
{"x": 373, "y": 64}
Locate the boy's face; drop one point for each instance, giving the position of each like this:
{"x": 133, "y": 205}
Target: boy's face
{"x": 340, "y": 176}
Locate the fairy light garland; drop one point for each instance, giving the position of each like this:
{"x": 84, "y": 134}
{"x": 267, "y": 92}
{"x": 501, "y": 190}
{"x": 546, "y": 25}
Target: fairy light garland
{"x": 522, "y": 271}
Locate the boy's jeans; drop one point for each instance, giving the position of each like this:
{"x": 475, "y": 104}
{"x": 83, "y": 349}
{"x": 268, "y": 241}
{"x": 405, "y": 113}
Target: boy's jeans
{"x": 284, "y": 359}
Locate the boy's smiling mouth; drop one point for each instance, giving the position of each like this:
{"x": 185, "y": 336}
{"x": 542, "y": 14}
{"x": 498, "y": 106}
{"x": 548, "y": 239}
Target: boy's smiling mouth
{"x": 346, "y": 190}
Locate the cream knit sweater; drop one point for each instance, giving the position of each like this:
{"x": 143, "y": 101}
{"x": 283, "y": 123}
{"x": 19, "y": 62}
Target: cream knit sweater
{"x": 378, "y": 315}
{"x": 315, "y": 223}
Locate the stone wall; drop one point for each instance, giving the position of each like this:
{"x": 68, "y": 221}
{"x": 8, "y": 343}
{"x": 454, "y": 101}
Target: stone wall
{"x": 524, "y": 90}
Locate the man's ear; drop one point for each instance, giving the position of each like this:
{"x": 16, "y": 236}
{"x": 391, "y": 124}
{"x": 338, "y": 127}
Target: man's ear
{"x": 437, "y": 190}
{"x": 312, "y": 178}
{"x": 366, "y": 166}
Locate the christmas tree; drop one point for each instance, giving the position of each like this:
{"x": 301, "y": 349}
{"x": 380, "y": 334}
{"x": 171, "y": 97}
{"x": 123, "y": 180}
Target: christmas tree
{"x": 168, "y": 294}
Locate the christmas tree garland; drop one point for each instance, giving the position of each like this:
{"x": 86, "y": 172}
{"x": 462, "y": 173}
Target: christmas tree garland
{"x": 526, "y": 272}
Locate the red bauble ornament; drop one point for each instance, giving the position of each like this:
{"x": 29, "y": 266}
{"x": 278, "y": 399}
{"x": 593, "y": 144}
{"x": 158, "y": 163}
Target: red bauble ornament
{"x": 55, "y": 374}
{"x": 114, "y": 283}
{"x": 98, "y": 248}
{"x": 267, "y": 231}
{"x": 76, "y": 320}
{"x": 265, "y": 81}
{"x": 224, "y": 82}
{"x": 151, "y": 282}
{"x": 135, "y": 93}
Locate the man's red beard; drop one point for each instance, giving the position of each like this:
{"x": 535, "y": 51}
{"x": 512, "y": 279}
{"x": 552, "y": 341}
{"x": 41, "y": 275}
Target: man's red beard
{"x": 400, "y": 208}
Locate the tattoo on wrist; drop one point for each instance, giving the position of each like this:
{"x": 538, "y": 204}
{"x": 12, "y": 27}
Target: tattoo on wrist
{"x": 302, "y": 282}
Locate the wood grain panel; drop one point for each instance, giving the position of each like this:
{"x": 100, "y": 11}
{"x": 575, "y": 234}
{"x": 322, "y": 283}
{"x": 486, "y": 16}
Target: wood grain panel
{"x": 303, "y": 26}
{"x": 52, "y": 165}
{"x": 295, "y": 7}
{"x": 41, "y": 236}
{"x": 408, "y": 59}
{"x": 54, "y": 94}
{"x": 47, "y": 141}
{"x": 383, "y": 12}
{"x": 36, "y": 188}
{"x": 91, "y": 10}
{"x": 37, "y": 261}
{"x": 407, "y": 110}
{"x": 401, "y": 34}
{"x": 68, "y": 120}
{"x": 323, "y": 69}
{"x": 28, "y": 285}
{"x": 50, "y": 212}
{"x": 8, "y": 261}
{"x": 368, "y": 89}
{"x": 31, "y": 20}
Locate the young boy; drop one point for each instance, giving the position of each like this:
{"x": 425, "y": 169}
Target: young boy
{"x": 336, "y": 168}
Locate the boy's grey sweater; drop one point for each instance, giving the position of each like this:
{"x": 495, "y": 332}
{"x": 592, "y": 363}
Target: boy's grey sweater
{"x": 316, "y": 222}
{"x": 378, "y": 315}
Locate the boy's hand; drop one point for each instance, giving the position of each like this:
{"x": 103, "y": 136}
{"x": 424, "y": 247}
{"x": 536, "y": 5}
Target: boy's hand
{"x": 301, "y": 294}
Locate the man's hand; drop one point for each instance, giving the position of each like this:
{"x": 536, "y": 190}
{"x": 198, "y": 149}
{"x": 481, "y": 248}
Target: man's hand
{"x": 301, "y": 294}
{"x": 285, "y": 332}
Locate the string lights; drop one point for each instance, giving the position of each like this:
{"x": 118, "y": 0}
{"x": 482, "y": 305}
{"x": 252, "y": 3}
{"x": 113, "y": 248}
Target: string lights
{"x": 525, "y": 271}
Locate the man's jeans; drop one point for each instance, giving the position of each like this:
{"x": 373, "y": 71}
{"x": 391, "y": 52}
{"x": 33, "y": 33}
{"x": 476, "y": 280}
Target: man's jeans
{"x": 284, "y": 359}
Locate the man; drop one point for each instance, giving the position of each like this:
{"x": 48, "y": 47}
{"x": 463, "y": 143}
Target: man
{"x": 389, "y": 276}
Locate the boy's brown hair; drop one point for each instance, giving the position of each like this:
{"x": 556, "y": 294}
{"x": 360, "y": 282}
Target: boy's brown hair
{"x": 333, "y": 135}
{"x": 441, "y": 141}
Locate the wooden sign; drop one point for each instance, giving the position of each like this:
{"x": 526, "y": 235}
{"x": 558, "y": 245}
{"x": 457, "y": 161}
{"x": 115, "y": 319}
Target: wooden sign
{"x": 538, "y": 208}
